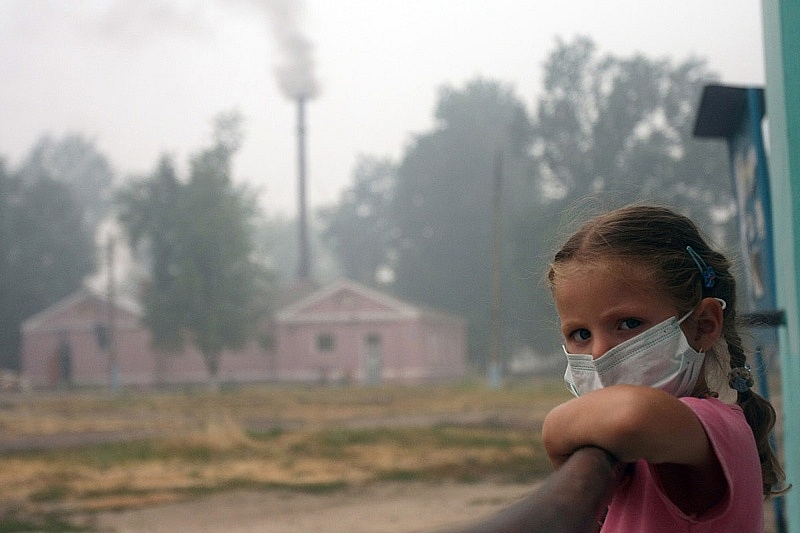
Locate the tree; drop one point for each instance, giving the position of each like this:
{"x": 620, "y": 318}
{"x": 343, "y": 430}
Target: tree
{"x": 205, "y": 284}
{"x": 358, "y": 228}
{"x": 74, "y": 161}
{"x": 9, "y": 321}
{"x": 149, "y": 209}
{"x": 217, "y": 276}
{"x": 609, "y": 131}
{"x": 276, "y": 246}
{"x": 46, "y": 252}
{"x": 442, "y": 207}
{"x": 617, "y": 126}
{"x": 612, "y": 129}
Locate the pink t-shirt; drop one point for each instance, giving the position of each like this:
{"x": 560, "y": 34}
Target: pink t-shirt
{"x": 641, "y": 505}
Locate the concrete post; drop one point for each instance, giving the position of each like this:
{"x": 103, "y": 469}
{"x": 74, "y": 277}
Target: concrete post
{"x": 781, "y": 20}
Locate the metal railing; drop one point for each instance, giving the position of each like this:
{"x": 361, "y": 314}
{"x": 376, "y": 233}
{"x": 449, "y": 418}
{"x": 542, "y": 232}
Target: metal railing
{"x": 572, "y": 499}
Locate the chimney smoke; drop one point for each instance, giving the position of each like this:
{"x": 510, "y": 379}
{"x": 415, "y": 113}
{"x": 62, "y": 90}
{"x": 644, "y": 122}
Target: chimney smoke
{"x": 295, "y": 68}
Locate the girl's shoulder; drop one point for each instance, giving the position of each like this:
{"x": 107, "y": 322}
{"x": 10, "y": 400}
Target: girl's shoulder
{"x": 714, "y": 409}
{"x": 730, "y": 437}
{"x": 724, "y": 423}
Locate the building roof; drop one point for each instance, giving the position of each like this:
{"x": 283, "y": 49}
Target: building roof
{"x": 341, "y": 300}
{"x": 347, "y": 300}
{"x": 45, "y": 318}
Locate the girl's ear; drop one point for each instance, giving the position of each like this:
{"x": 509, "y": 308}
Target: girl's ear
{"x": 708, "y": 320}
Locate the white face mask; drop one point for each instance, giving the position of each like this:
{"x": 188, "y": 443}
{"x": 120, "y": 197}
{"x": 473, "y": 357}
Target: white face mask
{"x": 659, "y": 357}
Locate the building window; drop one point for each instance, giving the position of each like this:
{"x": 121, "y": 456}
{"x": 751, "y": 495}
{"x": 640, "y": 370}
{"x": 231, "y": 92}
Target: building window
{"x": 267, "y": 341}
{"x": 373, "y": 341}
{"x": 325, "y": 342}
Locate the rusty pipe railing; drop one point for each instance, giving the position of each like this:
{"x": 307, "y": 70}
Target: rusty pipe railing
{"x": 572, "y": 499}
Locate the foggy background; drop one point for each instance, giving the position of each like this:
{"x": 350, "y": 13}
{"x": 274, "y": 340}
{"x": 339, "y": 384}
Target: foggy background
{"x": 141, "y": 77}
{"x": 139, "y": 109}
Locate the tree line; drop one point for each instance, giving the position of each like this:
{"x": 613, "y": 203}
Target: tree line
{"x": 605, "y": 130}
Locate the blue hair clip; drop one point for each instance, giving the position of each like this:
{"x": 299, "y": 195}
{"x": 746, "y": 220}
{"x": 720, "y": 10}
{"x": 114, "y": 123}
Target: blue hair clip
{"x": 705, "y": 270}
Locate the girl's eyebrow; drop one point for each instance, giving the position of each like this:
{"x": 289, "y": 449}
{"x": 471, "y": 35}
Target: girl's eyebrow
{"x": 567, "y": 331}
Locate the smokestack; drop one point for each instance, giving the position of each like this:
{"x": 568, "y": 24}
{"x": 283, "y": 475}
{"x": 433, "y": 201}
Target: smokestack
{"x": 295, "y": 76}
{"x": 303, "y": 264}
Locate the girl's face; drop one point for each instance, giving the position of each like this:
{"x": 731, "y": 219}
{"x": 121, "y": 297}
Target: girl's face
{"x": 603, "y": 304}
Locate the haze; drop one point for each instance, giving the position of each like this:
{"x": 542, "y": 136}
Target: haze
{"x": 142, "y": 77}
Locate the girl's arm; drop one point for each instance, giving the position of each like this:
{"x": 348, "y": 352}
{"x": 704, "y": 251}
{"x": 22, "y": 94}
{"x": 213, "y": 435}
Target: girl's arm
{"x": 631, "y": 423}
{"x": 635, "y": 423}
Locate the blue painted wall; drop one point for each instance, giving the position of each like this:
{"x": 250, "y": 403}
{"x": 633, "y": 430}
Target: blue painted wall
{"x": 782, "y": 55}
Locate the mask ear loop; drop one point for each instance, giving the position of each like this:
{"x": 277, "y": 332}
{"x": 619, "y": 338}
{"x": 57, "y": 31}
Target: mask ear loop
{"x": 722, "y": 303}
{"x": 681, "y": 320}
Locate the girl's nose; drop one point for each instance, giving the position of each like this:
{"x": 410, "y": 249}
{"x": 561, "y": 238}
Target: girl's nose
{"x": 600, "y": 345}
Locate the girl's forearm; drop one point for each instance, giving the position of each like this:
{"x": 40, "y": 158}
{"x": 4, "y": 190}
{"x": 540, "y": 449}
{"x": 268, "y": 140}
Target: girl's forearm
{"x": 629, "y": 422}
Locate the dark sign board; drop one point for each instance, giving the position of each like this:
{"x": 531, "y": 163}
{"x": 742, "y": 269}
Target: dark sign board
{"x": 736, "y": 114}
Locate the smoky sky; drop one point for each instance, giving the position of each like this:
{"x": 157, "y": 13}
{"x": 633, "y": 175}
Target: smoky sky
{"x": 146, "y": 77}
{"x": 134, "y": 22}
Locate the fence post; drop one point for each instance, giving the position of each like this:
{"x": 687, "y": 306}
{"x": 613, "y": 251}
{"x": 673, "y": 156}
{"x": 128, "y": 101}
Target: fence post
{"x": 572, "y": 499}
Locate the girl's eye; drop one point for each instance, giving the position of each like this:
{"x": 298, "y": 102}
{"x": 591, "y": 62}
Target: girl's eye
{"x": 630, "y": 323}
{"x": 580, "y": 335}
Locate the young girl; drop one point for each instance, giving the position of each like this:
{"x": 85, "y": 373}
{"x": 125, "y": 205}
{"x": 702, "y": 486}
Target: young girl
{"x": 648, "y": 313}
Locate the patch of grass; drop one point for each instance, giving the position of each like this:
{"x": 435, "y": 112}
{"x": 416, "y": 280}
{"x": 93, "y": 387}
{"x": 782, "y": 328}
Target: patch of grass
{"x": 105, "y": 455}
{"x": 460, "y": 437}
{"x": 205, "y": 489}
{"x": 460, "y": 472}
{"x": 116, "y": 491}
{"x": 402, "y": 474}
{"x": 239, "y": 483}
{"x": 336, "y": 443}
{"x": 16, "y": 521}
{"x": 314, "y": 488}
{"x": 441, "y": 436}
{"x": 467, "y": 468}
{"x": 343, "y": 437}
{"x": 197, "y": 453}
{"x": 50, "y": 493}
{"x": 265, "y": 437}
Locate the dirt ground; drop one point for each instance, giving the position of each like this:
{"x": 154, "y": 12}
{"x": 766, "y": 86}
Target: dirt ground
{"x": 380, "y": 508}
{"x": 405, "y": 507}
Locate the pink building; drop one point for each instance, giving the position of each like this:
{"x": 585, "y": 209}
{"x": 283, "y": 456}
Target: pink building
{"x": 347, "y": 331}
{"x": 342, "y": 332}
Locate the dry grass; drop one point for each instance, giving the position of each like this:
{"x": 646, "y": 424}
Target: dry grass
{"x": 180, "y": 443}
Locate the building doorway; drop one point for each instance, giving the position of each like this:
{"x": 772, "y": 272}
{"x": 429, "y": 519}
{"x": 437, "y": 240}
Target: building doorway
{"x": 373, "y": 359}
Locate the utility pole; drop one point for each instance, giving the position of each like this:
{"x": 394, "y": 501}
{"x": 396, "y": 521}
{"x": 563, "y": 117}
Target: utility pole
{"x": 113, "y": 364}
{"x": 496, "y": 305}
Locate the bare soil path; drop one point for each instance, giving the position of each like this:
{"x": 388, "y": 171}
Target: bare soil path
{"x": 379, "y": 508}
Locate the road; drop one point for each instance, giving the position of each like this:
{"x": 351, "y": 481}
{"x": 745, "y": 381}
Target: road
{"x": 378, "y": 508}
